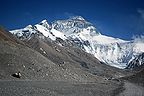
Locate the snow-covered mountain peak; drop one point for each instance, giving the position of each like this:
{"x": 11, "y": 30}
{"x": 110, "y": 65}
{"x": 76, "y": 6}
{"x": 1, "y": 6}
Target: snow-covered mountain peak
{"x": 44, "y": 21}
{"x": 24, "y": 33}
{"x": 74, "y": 25}
{"x": 29, "y": 26}
{"x": 77, "y": 18}
{"x": 45, "y": 24}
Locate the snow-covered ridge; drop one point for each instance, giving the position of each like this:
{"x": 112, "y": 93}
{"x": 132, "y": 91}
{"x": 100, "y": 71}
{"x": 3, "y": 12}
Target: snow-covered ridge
{"x": 136, "y": 62}
{"x": 112, "y": 51}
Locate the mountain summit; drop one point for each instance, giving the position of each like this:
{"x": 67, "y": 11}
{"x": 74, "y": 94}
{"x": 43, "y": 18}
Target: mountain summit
{"x": 75, "y": 25}
{"x": 78, "y": 32}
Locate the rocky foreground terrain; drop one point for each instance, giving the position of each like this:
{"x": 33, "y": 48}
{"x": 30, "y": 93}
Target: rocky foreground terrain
{"x": 41, "y": 67}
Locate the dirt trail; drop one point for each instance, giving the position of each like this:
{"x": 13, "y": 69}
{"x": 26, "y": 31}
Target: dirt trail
{"x": 132, "y": 89}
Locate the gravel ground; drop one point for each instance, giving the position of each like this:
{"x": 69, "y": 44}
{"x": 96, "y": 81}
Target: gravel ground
{"x": 53, "y": 88}
{"x": 132, "y": 89}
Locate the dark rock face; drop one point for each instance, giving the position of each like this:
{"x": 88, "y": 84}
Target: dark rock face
{"x": 136, "y": 62}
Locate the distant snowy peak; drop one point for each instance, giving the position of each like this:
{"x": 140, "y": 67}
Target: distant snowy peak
{"x": 24, "y": 33}
{"x": 29, "y": 27}
{"x": 45, "y": 24}
{"x": 74, "y": 25}
{"x": 77, "y": 18}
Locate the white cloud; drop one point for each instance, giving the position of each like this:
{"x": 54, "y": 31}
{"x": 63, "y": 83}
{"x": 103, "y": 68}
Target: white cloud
{"x": 141, "y": 12}
{"x": 139, "y": 39}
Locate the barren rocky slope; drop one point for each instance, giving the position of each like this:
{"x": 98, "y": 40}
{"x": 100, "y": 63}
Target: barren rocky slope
{"x": 15, "y": 57}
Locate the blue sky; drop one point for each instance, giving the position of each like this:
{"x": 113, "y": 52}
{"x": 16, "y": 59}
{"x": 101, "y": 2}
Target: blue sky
{"x": 118, "y": 18}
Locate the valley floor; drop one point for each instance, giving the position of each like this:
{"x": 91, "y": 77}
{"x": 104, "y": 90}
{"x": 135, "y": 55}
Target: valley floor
{"x": 54, "y": 88}
{"x": 132, "y": 89}
{"x": 59, "y": 88}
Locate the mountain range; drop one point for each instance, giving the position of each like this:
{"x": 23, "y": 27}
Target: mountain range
{"x": 79, "y": 33}
{"x": 69, "y": 58}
